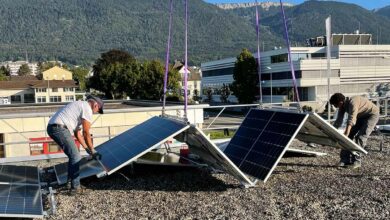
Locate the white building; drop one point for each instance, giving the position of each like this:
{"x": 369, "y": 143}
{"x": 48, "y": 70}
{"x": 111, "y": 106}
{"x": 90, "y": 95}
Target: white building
{"x": 356, "y": 69}
{"x": 15, "y": 66}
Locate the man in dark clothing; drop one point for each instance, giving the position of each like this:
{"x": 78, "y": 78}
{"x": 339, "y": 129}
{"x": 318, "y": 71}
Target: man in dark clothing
{"x": 363, "y": 115}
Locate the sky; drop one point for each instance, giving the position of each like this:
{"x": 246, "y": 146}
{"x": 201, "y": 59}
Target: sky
{"x": 369, "y": 4}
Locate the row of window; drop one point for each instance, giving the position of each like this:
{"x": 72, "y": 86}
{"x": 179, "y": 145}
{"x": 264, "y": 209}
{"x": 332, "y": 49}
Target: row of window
{"x": 39, "y": 90}
{"x": 42, "y": 99}
{"x": 30, "y": 98}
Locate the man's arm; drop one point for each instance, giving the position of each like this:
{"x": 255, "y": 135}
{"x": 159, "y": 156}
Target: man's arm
{"x": 86, "y": 134}
{"x": 80, "y": 138}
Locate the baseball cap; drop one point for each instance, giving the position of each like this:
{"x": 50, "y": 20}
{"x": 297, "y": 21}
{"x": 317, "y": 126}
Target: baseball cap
{"x": 98, "y": 101}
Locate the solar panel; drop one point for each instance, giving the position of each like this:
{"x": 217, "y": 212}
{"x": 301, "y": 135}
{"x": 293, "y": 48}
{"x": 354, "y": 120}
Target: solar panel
{"x": 262, "y": 139}
{"x": 87, "y": 168}
{"x": 24, "y": 201}
{"x": 317, "y": 130}
{"x": 210, "y": 154}
{"x": 135, "y": 142}
{"x": 26, "y": 175}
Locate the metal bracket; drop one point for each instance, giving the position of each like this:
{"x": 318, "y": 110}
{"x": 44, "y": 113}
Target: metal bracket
{"x": 52, "y": 202}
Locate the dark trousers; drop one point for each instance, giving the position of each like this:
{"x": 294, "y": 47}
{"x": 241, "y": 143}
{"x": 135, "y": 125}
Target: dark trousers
{"x": 65, "y": 140}
{"x": 359, "y": 133}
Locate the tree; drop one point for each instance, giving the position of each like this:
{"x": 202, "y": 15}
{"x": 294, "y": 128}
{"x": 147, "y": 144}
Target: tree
{"x": 225, "y": 92}
{"x": 111, "y": 72}
{"x": 209, "y": 94}
{"x": 4, "y": 72}
{"x": 79, "y": 75}
{"x": 246, "y": 80}
{"x": 24, "y": 70}
{"x": 151, "y": 84}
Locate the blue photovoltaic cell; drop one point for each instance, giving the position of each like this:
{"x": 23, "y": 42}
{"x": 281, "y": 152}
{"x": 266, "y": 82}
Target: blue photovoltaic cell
{"x": 262, "y": 139}
{"x": 130, "y": 144}
{"x": 19, "y": 174}
{"x": 20, "y": 201}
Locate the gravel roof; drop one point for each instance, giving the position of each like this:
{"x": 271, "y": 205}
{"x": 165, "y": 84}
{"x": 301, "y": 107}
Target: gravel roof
{"x": 299, "y": 188}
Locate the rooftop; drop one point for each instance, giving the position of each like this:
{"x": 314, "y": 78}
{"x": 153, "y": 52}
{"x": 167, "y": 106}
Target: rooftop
{"x": 301, "y": 187}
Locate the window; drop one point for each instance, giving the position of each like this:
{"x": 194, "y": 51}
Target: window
{"x": 16, "y": 99}
{"x": 68, "y": 89}
{"x": 2, "y": 153}
{"x": 69, "y": 98}
{"x": 38, "y": 90}
{"x": 218, "y": 72}
{"x": 54, "y": 89}
{"x": 41, "y": 99}
{"x": 279, "y": 58}
{"x": 55, "y": 98}
{"x": 54, "y": 148}
{"x": 29, "y": 98}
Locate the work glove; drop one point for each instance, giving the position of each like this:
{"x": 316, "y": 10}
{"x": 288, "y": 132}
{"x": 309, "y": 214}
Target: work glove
{"x": 94, "y": 155}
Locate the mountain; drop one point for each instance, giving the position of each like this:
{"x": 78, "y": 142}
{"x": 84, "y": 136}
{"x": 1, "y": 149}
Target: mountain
{"x": 384, "y": 11}
{"x": 308, "y": 20}
{"x": 247, "y": 10}
{"x": 78, "y": 31}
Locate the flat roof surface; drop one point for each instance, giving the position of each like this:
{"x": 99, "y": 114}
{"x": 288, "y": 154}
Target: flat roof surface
{"x": 301, "y": 187}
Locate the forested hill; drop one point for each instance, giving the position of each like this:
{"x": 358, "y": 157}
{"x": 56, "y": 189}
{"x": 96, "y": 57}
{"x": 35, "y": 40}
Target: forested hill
{"x": 308, "y": 20}
{"x": 78, "y": 31}
{"x": 384, "y": 11}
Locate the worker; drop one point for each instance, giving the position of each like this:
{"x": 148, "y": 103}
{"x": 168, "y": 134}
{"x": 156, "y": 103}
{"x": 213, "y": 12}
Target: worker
{"x": 363, "y": 115}
{"x": 71, "y": 119}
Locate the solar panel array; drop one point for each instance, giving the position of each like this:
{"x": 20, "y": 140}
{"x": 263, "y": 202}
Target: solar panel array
{"x": 19, "y": 174}
{"x": 129, "y": 145}
{"x": 20, "y": 192}
{"x": 20, "y": 201}
{"x": 262, "y": 139}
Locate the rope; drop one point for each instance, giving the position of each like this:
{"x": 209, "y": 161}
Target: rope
{"x": 289, "y": 54}
{"x": 258, "y": 56}
{"x": 186, "y": 61}
{"x": 167, "y": 56}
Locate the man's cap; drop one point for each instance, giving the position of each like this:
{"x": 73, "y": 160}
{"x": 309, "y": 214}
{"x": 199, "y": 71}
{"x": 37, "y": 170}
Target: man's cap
{"x": 98, "y": 101}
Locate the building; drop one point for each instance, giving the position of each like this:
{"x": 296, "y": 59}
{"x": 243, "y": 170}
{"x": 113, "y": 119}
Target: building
{"x": 194, "y": 78}
{"x": 355, "y": 69}
{"x": 57, "y": 86}
{"x": 15, "y": 66}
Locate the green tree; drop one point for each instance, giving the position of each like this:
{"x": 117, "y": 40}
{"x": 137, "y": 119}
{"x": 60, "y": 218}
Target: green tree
{"x": 246, "y": 80}
{"x": 79, "y": 75}
{"x": 24, "y": 70}
{"x": 111, "y": 72}
{"x": 4, "y": 72}
{"x": 225, "y": 92}
{"x": 152, "y": 81}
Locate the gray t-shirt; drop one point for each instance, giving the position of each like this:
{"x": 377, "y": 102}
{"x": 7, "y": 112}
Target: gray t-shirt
{"x": 71, "y": 115}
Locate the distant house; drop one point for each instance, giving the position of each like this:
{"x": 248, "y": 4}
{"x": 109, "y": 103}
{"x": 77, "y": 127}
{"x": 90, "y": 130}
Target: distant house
{"x": 57, "y": 86}
{"x": 194, "y": 78}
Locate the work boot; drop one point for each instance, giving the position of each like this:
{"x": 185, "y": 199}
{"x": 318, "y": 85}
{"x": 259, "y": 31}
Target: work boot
{"x": 75, "y": 191}
{"x": 342, "y": 164}
{"x": 355, "y": 165}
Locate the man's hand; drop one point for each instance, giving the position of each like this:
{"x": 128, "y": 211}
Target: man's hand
{"x": 96, "y": 156}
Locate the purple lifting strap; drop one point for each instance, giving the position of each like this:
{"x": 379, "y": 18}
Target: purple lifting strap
{"x": 167, "y": 56}
{"x": 258, "y": 54}
{"x": 289, "y": 52}
{"x": 185, "y": 62}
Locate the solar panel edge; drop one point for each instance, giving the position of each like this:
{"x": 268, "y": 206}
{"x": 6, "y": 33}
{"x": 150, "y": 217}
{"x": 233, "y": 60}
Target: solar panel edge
{"x": 226, "y": 158}
{"x": 287, "y": 146}
{"x": 147, "y": 150}
{"x": 338, "y": 134}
